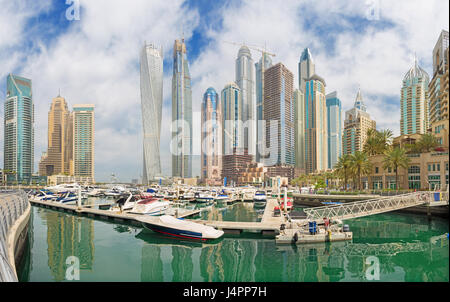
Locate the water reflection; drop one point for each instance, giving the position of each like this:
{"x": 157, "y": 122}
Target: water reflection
{"x": 408, "y": 249}
{"x": 68, "y": 235}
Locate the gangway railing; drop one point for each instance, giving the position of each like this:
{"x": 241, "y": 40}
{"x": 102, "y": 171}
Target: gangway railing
{"x": 372, "y": 206}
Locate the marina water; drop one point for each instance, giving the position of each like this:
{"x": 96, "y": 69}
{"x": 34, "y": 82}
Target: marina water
{"x": 407, "y": 247}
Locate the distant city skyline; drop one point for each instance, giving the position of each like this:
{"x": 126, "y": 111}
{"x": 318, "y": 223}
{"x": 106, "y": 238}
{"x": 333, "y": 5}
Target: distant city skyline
{"x": 372, "y": 53}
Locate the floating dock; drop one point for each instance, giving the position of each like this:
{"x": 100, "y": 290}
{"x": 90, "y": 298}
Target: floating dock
{"x": 88, "y": 210}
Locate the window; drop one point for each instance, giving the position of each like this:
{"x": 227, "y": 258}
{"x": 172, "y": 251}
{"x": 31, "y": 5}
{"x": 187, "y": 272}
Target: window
{"x": 429, "y": 167}
{"x": 438, "y": 167}
{"x": 376, "y": 170}
{"x": 414, "y": 170}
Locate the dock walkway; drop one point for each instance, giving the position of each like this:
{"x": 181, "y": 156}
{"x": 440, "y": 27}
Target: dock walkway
{"x": 269, "y": 224}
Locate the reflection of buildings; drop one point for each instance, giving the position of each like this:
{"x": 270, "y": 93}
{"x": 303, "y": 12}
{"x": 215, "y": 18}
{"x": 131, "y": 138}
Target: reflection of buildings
{"x": 68, "y": 236}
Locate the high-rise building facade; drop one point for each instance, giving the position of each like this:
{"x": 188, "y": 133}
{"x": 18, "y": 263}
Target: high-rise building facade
{"x": 299, "y": 129}
{"x": 438, "y": 87}
{"x": 260, "y": 67}
{"x": 151, "y": 107}
{"x": 356, "y": 125}
{"x": 232, "y": 132}
{"x": 334, "y": 121}
{"x": 19, "y": 128}
{"x": 414, "y": 101}
{"x": 181, "y": 113}
{"x": 279, "y": 109}
{"x": 245, "y": 79}
{"x": 84, "y": 140}
{"x": 211, "y": 159}
{"x": 57, "y": 159}
{"x": 306, "y": 68}
{"x": 316, "y": 138}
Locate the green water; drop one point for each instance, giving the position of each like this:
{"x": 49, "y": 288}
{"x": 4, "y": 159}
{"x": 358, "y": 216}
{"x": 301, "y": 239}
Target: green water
{"x": 113, "y": 252}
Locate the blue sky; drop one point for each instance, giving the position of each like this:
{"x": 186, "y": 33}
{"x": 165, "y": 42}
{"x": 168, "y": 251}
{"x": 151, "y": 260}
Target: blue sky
{"x": 96, "y": 59}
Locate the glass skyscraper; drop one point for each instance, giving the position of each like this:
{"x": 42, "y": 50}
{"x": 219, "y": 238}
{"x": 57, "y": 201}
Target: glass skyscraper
{"x": 181, "y": 113}
{"x": 245, "y": 79}
{"x": 316, "y": 138}
{"x": 334, "y": 121}
{"x": 19, "y": 128}
{"x": 151, "y": 106}
{"x": 84, "y": 140}
{"x": 306, "y": 68}
{"x": 279, "y": 107}
{"x": 264, "y": 63}
{"x": 299, "y": 129}
{"x": 231, "y": 119}
{"x": 414, "y": 101}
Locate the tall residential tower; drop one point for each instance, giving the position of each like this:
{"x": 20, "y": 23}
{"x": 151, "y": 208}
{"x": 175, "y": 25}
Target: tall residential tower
{"x": 84, "y": 140}
{"x": 334, "y": 121}
{"x": 414, "y": 101}
{"x": 151, "y": 106}
{"x": 357, "y": 123}
{"x": 211, "y": 160}
{"x": 19, "y": 128}
{"x": 181, "y": 113}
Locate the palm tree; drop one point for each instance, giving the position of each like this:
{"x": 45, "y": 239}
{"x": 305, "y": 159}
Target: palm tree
{"x": 394, "y": 159}
{"x": 361, "y": 165}
{"x": 343, "y": 168}
{"x": 377, "y": 142}
{"x": 428, "y": 142}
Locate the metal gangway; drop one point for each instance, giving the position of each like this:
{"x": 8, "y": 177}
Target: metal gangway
{"x": 374, "y": 206}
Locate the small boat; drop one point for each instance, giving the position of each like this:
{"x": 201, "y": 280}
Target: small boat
{"x": 259, "y": 199}
{"x": 248, "y": 194}
{"x": 150, "y": 206}
{"x": 44, "y": 196}
{"x": 222, "y": 198}
{"x": 202, "y": 197}
{"x": 125, "y": 203}
{"x": 67, "y": 197}
{"x": 179, "y": 228}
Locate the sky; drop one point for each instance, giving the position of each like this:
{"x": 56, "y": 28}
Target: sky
{"x": 90, "y": 51}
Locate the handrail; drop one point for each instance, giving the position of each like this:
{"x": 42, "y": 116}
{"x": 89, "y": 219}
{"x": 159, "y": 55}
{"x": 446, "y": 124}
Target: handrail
{"x": 12, "y": 205}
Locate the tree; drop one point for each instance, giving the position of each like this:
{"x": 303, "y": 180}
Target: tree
{"x": 361, "y": 165}
{"x": 377, "y": 142}
{"x": 428, "y": 142}
{"x": 343, "y": 168}
{"x": 394, "y": 159}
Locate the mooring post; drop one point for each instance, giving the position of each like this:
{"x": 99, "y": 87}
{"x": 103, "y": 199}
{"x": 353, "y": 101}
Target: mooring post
{"x": 79, "y": 198}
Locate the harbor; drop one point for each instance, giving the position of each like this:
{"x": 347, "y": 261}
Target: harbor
{"x": 207, "y": 222}
{"x": 403, "y": 242}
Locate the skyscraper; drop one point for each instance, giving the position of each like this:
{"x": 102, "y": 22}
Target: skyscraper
{"x": 211, "y": 161}
{"x": 279, "y": 107}
{"x": 414, "y": 101}
{"x": 84, "y": 140}
{"x": 181, "y": 113}
{"x": 151, "y": 104}
{"x": 299, "y": 129}
{"x": 264, "y": 63}
{"x": 334, "y": 121}
{"x": 19, "y": 128}
{"x": 57, "y": 159}
{"x": 438, "y": 87}
{"x": 357, "y": 123}
{"x": 316, "y": 138}
{"x": 245, "y": 79}
{"x": 306, "y": 68}
{"x": 232, "y": 132}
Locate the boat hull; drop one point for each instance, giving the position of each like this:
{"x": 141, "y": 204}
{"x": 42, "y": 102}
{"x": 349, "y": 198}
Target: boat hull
{"x": 173, "y": 232}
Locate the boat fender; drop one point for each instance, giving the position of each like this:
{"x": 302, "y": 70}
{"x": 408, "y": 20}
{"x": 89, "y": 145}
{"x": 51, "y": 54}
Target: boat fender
{"x": 295, "y": 237}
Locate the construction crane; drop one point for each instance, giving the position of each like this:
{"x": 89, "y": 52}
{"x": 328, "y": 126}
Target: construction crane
{"x": 263, "y": 52}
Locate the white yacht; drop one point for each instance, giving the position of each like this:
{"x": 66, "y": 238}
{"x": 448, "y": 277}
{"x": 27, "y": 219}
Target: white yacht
{"x": 248, "y": 194}
{"x": 260, "y": 199}
{"x": 150, "y": 206}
